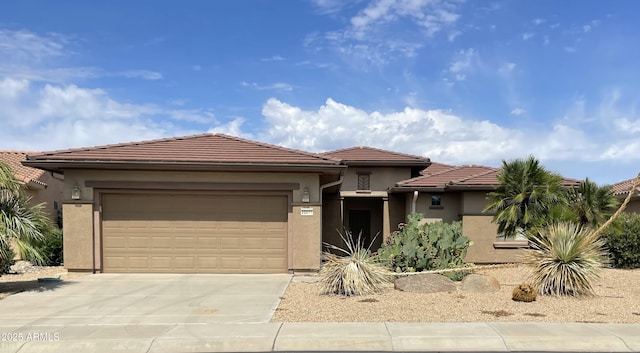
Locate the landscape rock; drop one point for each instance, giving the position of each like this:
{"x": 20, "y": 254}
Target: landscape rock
{"x": 425, "y": 283}
{"x": 480, "y": 284}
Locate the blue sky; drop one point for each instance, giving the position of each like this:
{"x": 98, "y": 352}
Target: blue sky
{"x": 459, "y": 82}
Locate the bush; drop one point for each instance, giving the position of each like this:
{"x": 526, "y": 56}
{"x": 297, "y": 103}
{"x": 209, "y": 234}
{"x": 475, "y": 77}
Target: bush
{"x": 622, "y": 240}
{"x": 419, "y": 247}
{"x": 566, "y": 258}
{"x": 50, "y": 247}
{"x": 6, "y": 258}
{"x": 357, "y": 273}
{"x": 524, "y": 293}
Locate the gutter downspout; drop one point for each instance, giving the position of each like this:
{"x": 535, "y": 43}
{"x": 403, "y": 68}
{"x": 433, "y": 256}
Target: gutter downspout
{"x": 322, "y": 187}
{"x": 415, "y": 201}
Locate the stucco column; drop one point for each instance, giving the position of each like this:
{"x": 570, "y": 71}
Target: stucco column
{"x": 342, "y": 211}
{"x": 386, "y": 226}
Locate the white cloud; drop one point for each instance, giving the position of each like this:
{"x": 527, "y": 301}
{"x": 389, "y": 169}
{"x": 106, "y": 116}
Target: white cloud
{"x": 528, "y": 35}
{"x": 374, "y": 35}
{"x": 278, "y": 86}
{"x": 518, "y": 111}
{"x": 25, "y": 46}
{"x": 26, "y": 55}
{"x": 462, "y": 64}
{"x": 453, "y": 35}
{"x": 42, "y": 117}
{"x": 569, "y": 49}
{"x": 538, "y": 21}
{"x": 434, "y": 133}
{"x": 546, "y": 40}
{"x": 273, "y": 58}
{"x": 507, "y": 68}
{"x": 143, "y": 74}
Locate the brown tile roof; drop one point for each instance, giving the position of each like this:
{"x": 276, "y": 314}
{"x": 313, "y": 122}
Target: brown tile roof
{"x": 435, "y": 167}
{"x": 466, "y": 176}
{"x": 623, "y": 187}
{"x": 23, "y": 173}
{"x": 363, "y": 155}
{"x": 203, "y": 148}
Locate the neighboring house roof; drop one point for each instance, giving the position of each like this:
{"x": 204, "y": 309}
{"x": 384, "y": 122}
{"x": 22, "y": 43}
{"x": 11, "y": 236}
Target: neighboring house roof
{"x": 363, "y": 155}
{"x": 196, "y": 150}
{"x": 435, "y": 167}
{"x": 622, "y": 188}
{"x": 27, "y": 175}
{"x": 464, "y": 177}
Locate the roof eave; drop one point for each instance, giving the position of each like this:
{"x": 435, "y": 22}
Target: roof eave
{"x": 423, "y": 164}
{"x": 59, "y": 166}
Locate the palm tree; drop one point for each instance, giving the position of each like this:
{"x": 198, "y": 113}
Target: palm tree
{"x": 526, "y": 192}
{"x": 593, "y": 204}
{"x": 21, "y": 224}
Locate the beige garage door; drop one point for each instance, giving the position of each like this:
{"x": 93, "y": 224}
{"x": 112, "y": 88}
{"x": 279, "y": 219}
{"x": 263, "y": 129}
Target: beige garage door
{"x": 182, "y": 233}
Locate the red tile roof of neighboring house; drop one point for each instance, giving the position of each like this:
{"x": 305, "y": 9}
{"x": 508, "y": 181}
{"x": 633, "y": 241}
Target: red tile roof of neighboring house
{"x": 203, "y": 148}
{"x": 623, "y": 187}
{"x": 466, "y": 176}
{"x": 369, "y": 155}
{"x": 23, "y": 173}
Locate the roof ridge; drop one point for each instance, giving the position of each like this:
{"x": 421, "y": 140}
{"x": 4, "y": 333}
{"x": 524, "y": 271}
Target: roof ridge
{"x": 18, "y": 151}
{"x": 123, "y": 144}
{"x": 379, "y": 150}
{"x": 286, "y": 149}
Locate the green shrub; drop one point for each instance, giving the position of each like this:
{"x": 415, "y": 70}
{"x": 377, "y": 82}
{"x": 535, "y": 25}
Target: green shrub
{"x": 6, "y": 258}
{"x": 416, "y": 247}
{"x": 623, "y": 241}
{"x": 356, "y": 273}
{"x": 566, "y": 258}
{"x": 50, "y": 247}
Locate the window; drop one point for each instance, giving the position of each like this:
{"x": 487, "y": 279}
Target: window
{"x": 436, "y": 201}
{"x": 364, "y": 182}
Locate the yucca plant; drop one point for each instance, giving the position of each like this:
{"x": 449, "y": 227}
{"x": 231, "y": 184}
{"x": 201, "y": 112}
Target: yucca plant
{"x": 566, "y": 258}
{"x": 357, "y": 272}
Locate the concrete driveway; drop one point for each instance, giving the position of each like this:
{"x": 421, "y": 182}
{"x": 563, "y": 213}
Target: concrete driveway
{"x": 139, "y": 299}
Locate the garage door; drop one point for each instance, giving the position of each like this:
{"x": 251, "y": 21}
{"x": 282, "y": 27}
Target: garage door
{"x": 182, "y": 233}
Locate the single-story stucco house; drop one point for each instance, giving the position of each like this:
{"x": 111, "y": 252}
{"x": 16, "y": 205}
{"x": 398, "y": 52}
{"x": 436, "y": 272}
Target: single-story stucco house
{"x": 621, "y": 191}
{"x": 214, "y": 203}
{"x": 42, "y": 187}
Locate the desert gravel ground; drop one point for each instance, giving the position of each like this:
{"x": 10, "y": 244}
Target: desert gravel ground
{"x": 24, "y": 277}
{"x": 616, "y": 301}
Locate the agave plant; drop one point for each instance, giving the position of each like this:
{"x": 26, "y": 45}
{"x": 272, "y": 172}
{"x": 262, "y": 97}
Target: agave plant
{"x": 356, "y": 273}
{"x": 566, "y": 258}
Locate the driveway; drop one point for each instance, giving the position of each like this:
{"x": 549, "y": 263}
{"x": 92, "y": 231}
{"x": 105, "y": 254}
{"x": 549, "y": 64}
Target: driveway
{"x": 140, "y": 299}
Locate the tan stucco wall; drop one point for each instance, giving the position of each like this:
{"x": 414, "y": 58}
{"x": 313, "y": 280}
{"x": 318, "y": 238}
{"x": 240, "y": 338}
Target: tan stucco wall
{"x": 381, "y": 178}
{"x": 473, "y": 202}
{"x": 306, "y": 242}
{"x": 51, "y": 195}
{"x": 78, "y": 224}
{"x": 397, "y": 210}
{"x": 73, "y": 177}
{"x": 78, "y": 236}
{"x": 331, "y": 223}
{"x": 633, "y": 206}
{"x": 483, "y": 233}
{"x": 448, "y": 212}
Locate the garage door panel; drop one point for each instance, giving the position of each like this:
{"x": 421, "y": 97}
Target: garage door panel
{"x": 194, "y": 233}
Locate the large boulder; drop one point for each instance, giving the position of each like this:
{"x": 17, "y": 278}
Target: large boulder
{"x": 425, "y": 283}
{"x": 480, "y": 284}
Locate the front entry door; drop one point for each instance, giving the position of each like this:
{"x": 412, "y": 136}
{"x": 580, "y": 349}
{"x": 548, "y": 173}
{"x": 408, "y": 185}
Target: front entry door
{"x": 360, "y": 224}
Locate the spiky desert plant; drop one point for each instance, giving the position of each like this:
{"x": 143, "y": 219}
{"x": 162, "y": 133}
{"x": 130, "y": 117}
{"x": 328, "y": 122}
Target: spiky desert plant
{"x": 525, "y": 293}
{"x": 566, "y": 258}
{"x": 356, "y": 273}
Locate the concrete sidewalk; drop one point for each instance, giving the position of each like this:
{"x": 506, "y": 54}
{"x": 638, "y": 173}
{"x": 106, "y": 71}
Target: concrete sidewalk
{"x": 268, "y": 337}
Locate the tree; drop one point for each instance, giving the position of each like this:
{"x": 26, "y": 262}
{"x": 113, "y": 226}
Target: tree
{"x": 21, "y": 224}
{"x": 525, "y": 194}
{"x": 592, "y": 204}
